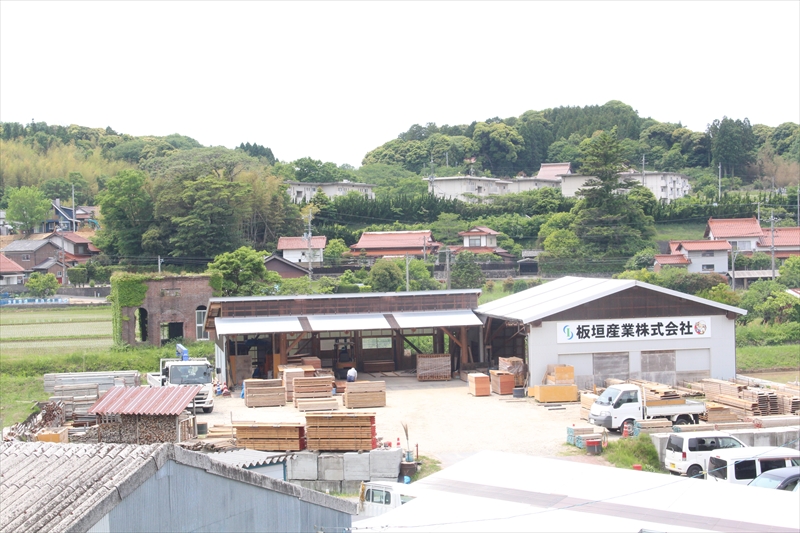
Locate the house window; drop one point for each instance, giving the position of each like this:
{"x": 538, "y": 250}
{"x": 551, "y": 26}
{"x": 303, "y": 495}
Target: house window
{"x": 708, "y": 268}
{"x": 58, "y": 274}
{"x": 200, "y": 319}
{"x": 25, "y": 257}
{"x": 741, "y": 245}
{"x": 708, "y": 254}
{"x": 474, "y": 241}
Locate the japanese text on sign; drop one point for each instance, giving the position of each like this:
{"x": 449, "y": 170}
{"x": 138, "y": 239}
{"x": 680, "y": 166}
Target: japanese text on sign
{"x": 634, "y": 329}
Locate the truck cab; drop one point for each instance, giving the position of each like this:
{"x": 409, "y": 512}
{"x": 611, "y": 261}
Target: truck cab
{"x": 176, "y": 372}
{"x": 616, "y": 405}
{"x": 381, "y": 497}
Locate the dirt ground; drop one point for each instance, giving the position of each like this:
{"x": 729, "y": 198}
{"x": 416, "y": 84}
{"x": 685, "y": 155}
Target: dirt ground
{"x": 444, "y": 420}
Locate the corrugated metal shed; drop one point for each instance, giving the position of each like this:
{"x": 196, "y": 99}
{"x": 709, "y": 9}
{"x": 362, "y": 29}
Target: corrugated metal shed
{"x": 250, "y": 458}
{"x": 145, "y": 400}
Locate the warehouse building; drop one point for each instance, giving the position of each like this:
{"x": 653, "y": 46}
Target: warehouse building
{"x": 613, "y": 328}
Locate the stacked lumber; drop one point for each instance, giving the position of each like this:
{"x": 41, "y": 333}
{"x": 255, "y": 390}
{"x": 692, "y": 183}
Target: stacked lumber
{"x": 479, "y": 384}
{"x": 719, "y": 386}
{"x": 268, "y": 437}
{"x": 767, "y": 400}
{"x": 316, "y": 404}
{"x": 613, "y": 381}
{"x": 264, "y": 393}
{"x": 104, "y": 380}
{"x": 580, "y": 440}
{"x": 77, "y": 400}
{"x": 657, "y": 391}
{"x": 656, "y": 425}
{"x": 324, "y": 372}
{"x": 341, "y": 386}
{"x": 560, "y": 375}
{"x": 516, "y": 366}
{"x": 587, "y": 400}
{"x": 502, "y": 382}
{"x": 788, "y": 403}
{"x": 321, "y": 387}
{"x": 311, "y": 361}
{"x": 341, "y": 431}
{"x": 365, "y": 394}
{"x": 379, "y": 366}
{"x": 221, "y": 431}
{"x": 716, "y": 412}
{"x": 573, "y": 432}
{"x": 773, "y": 421}
{"x": 434, "y": 367}
{"x": 288, "y": 374}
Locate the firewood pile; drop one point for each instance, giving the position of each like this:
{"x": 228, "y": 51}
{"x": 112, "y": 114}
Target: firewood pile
{"x": 264, "y": 393}
{"x": 104, "y": 380}
{"x": 502, "y": 382}
{"x": 365, "y": 394}
{"x": 145, "y": 429}
{"x": 77, "y": 399}
{"x": 341, "y": 431}
{"x": 434, "y": 367}
{"x": 321, "y": 387}
{"x": 51, "y": 415}
{"x": 268, "y": 437}
{"x": 516, "y": 366}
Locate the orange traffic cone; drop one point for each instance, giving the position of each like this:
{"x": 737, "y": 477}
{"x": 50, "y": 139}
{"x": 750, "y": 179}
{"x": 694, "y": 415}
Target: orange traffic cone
{"x": 625, "y": 430}
{"x": 398, "y": 443}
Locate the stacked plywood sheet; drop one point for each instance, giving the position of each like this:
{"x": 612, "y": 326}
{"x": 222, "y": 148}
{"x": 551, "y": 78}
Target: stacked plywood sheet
{"x": 104, "y": 380}
{"x": 587, "y": 400}
{"x": 502, "y": 382}
{"x": 479, "y": 384}
{"x": 341, "y": 431}
{"x": 321, "y": 387}
{"x": 365, "y": 394}
{"x": 311, "y": 361}
{"x": 516, "y": 366}
{"x": 264, "y": 393}
{"x": 316, "y": 404}
{"x": 288, "y": 374}
{"x": 284, "y": 436}
{"x": 716, "y": 413}
{"x": 433, "y": 367}
{"x": 77, "y": 400}
{"x": 560, "y": 375}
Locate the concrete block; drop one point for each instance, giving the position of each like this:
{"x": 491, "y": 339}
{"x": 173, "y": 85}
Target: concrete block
{"x": 787, "y": 437}
{"x": 356, "y": 466}
{"x": 744, "y": 435}
{"x": 351, "y": 487}
{"x": 330, "y": 467}
{"x": 302, "y": 467}
{"x": 385, "y": 463}
{"x": 659, "y": 440}
{"x": 327, "y": 487}
{"x": 386, "y": 479}
{"x": 762, "y": 438}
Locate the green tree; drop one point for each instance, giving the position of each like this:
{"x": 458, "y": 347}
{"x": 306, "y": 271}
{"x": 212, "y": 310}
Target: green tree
{"x": 334, "y": 251}
{"x": 721, "y": 293}
{"x": 42, "y": 286}
{"x": 790, "y": 272}
{"x": 562, "y": 243}
{"x": 295, "y": 286}
{"x": 386, "y": 276}
{"x": 447, "y": 227}
{"x": 242, "y": 270}
{"x": 27, "y": 207}
{"x": 732, "y": 144}
{"x": 498, "y": 145}
{"x": 756, "y": 294}
{"x": 419, "y": 275}
{"x": 778, "y": 307}
{"x": 62, "y": 188}
{"x": 641, "y": 259}
{"x": 466, "y": 273}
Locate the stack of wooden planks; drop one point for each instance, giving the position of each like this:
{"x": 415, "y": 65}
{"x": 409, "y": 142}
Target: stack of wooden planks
{"x": 433, "y": 367}
{"x": 104, "y": 380}
{"x": 311, "y": 361}
{"x": 365, "y": 394}
{"x": 316, "y": 404}
{"x": 479, "y": 384}
{"x": 321, "y": 387}
{"x": 77, "y": 400}
{"x": 344, "y": 431}
{"x": 716, "y": 412}
{"x": 573, "y": 432}
{"x": 275, "y": 437}
{"x": 767, "y": 400}
{"x": 657, "y": 391}
{"x": 502, "y": 382}
{"x": 560, "y": 375}
{"x": 656, "y": 425}
{"x": 516, "y": 366}
{"x": 587, "y": 400}
{"x": 288, "y": 374}
{"x": 378, "y": 366}
{"x": 264, "y": 393}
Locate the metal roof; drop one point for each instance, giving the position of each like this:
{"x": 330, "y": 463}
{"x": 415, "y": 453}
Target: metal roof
{"x": 741, "y": 274}
{"x": 565, "y": 293}
{"x": 348, "y": 322}
{"x": 409, "y": 294}
{"x": 25, "y": 245}
{"x": 436, "y": 319}
{"x": 169, "y": 401}
{"x": 250, "y": 458}
{"x": 252, "y": 325}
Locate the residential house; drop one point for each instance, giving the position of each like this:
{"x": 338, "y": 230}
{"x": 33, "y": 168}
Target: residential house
{"x": 469, "y": 189}
{"x": 300, "y": 191}
{"x": 377, "y": 244}
{"x": 665, "y": 186}
{"x": 482, "y": 240}
{"x": 286, "y": 269}
{"x": 155, "y": 487}
{"x": 671, "y": 260}
{"x": 744, "y": 234}
{"x": 787, "y": 242}
{"x": 10, "y": 272}
{"x": 549, "y": 175}
{"x": 296, "y": 249}
{"x": 703, "y": 256}
{"x": 37, "y": 255}
{"x": 5, "y": 227}
{"x": 77, "y": 248}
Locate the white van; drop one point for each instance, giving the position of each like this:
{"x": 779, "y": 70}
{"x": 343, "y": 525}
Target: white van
{"x": 742, "y": 465}
{"x": 688, "y": 453}
{"x": 378, "y": 497}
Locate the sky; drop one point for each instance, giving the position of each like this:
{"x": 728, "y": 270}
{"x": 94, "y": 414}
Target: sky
{"x": 334, "y": 80}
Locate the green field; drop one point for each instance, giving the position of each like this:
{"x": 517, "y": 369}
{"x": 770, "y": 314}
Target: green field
{"x": 675, "y": 231}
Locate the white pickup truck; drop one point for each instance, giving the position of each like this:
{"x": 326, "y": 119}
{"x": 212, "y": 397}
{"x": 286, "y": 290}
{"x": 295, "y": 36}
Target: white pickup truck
{"x": 622, "y": 404}
{"x": 176, "y": 372}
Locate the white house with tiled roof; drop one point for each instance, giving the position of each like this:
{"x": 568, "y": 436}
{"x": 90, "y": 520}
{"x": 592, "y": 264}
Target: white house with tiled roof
{"x": 481, "y": 240}
{"x": 296, "y": 249}
{"x": 468, "y": 188}
{"x": 743, "y": 233}
{"x": 10, "y": 272}
{"x": 787, "y": 242}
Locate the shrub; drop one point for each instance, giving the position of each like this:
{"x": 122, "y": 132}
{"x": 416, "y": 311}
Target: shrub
{"x": 489, "y": 285}
{"x": 508, "y": 284}
{"x": 519, "y": 285}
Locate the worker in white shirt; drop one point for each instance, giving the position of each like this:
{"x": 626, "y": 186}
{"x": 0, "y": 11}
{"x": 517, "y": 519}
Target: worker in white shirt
{"x": 352, "y": 375}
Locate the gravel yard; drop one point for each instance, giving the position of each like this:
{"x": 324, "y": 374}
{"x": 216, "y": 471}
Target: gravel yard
{"x": 445, "y": 421}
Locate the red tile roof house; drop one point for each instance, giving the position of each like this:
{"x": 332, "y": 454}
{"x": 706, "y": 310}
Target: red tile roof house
{"x": 295, "y": 249}
{"x": 743, "y": 233}
{"x": 377, "y": 244}
{"x": 10, "y": 272}
{"x": 482, "y": 240}
{"x": 700, "y": 256}
{"x": 77, "y": 248}
{"x": 787, "y": 242}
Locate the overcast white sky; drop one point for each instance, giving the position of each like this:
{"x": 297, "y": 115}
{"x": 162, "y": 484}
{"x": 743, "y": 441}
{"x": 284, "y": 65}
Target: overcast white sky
{"x": 334, "y": 80}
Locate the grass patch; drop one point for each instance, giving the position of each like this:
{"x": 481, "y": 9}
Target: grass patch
{"x": 624, "y": 453}
{"x": 754, "y": 358}
{"x": 427, "y": 466}
{"x": 675, "y": 231}
{"x": 19, "y": 397}
{"x": 496, "y": 294}
{"x": 38, "y": 315}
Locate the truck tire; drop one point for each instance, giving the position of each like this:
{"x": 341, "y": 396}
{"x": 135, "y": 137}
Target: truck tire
{"x": 683, "y": 420}
{"x": 208, "y": 409}
{"x": 629, "y": 422}
{"x": 694, "y": 471}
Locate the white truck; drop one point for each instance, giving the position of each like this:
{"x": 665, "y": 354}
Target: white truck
{"x": 378, "y": 497}
{"x": 620, "y": 405}
{"x": 179, "y": 371}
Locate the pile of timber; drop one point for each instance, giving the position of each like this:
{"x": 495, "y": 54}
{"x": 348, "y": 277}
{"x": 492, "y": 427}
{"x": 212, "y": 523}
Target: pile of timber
{"x": 379, "y": 366}
{"x": 502, "y": 382}
{"x": 77, "y": 400}
{"x": 104, "y": 380}
{"x": 516, "y": 366}
{"x": 365, "y": 394}
{"x": 316, "y": 404}
{"x": 271, "y": 437}
{"x": 751, "y": 401}
{"x": 342, "y": 431}
{"x": 655, "y": 425}
{"x": 304, "y": 388}
{"x": 657, "y": 391}
{"x": 587, "y": 400}
{"x": 580, "y": 440}
{"x": 716, "y": 413}
{"x": 715, "y": 387}
{"x": 288, "y": 374}
{"x": 573, "y": 432}
{"x": 479, "y": 384}
{"x": 324, "y": 372}
{"x": 341, "y": 386}
{"x": 264, "y": 393}
{"x": 559, "y": 375}
{"x": 434, "y": 367}
{"x": 773, "y": 421}
{"x": 311, "y": 361}
{"x": 767, "y": 400}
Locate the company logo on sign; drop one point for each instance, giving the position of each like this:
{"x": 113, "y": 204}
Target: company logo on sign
{"x": 634, "y": 329}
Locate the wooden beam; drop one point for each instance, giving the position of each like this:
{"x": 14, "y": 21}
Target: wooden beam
{"x": 454, "y": 339}
{"x": 294, "y": 343}
{"x": 465, "y": 357}
{"x": 405, "y": 339}
{"x": 487, "y": 331}
{"x": 497, "y": 332}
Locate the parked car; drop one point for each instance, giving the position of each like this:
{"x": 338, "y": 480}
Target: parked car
{"x": 780, "y": 478}
{"x": 742, "y": 465}
{"x": 688, "y": 453}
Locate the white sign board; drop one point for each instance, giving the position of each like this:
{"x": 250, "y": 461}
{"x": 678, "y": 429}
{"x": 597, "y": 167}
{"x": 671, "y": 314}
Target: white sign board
{"x": 637, "y": 329}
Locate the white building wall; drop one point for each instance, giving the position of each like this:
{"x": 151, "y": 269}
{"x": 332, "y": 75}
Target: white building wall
{"x": 718, "y": 262}
{"x": 301, "y": 256}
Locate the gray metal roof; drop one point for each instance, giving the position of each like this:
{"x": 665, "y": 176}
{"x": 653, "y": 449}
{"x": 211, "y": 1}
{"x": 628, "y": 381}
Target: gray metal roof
{"x": 409, "y": 294}
{"x": 741, "y": 274}
{"x": 25, "y": 245}
{"x": 250, "y": 458}
{"x": 48, "y": 486}
{"x": 565, "y": 293}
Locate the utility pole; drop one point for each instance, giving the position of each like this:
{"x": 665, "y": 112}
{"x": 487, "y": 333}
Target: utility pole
{"x": 73, "y": 208}
{"x": 447, "y": 266}
{"x": 308, "y": 238}
{"x": 734, "y": 253}
{"x": 408, "y": 286}
{"x": 719, "y": 188}
{"x": 424, "y": 248}
{"x": 159, "y": 264}
{"x": 759, "y": 211}
{"x": 772, "y": 240}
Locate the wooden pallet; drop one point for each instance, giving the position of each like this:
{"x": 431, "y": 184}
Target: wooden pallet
{"x": 316, "y": 387}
